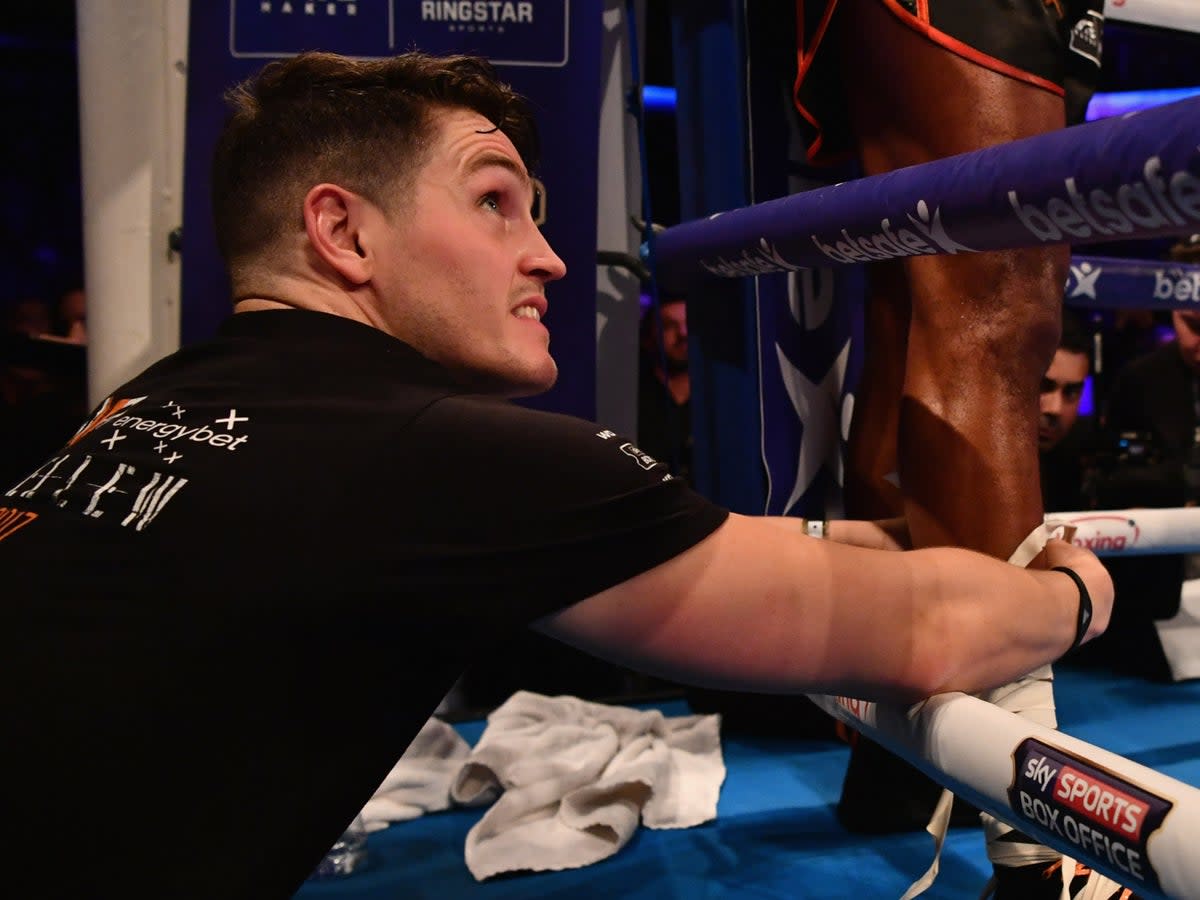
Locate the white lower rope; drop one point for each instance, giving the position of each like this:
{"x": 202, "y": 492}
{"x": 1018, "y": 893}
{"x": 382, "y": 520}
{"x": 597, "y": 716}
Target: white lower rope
{"x": 1128, "y": 821}
{"x": 1135, "y": 532}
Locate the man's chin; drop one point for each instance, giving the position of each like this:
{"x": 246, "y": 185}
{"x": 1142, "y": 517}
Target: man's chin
{"x": 535, "y": 387}
{"x": 515, "y": 385}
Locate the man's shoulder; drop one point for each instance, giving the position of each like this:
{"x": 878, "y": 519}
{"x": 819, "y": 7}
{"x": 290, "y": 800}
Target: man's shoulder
{"x": 490, "y": 419}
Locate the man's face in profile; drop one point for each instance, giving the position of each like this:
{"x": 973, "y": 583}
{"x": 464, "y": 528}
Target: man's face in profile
{"x": 465, "y": 266}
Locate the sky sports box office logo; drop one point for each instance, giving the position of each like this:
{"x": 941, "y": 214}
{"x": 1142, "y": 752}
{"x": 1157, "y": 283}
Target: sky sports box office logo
{"x": 1106, "y": 817}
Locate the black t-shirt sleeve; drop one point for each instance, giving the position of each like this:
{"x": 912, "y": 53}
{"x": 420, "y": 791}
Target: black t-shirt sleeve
{"x": 535, "y": 511}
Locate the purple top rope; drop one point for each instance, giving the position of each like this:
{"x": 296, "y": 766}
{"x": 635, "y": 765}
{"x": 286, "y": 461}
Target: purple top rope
{"x": 1136, "y": 176}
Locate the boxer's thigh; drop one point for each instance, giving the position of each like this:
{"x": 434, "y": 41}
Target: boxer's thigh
{"x": 911, "y": 100}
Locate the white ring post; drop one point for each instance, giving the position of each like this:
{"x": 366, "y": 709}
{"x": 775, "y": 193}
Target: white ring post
{"x": 131, "y": 97}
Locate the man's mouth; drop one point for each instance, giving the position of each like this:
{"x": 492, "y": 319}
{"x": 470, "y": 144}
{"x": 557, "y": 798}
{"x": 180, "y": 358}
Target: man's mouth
{"x": 527, "y": 312}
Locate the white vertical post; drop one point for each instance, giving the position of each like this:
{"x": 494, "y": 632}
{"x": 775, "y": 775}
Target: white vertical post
{"x": 618, "y": 306}
{"x": 132, "y": 81}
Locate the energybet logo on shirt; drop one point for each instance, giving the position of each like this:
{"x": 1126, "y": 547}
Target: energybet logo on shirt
{"x": 127, "y": 468}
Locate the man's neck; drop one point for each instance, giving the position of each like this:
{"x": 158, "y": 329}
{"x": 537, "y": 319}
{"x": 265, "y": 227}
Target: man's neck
{"x": 289, "y": 291}
{"x": 255, "y": 304}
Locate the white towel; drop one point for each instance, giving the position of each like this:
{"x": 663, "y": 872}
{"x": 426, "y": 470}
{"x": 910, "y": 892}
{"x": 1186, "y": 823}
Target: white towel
{"x": 420, "y": 781}
{"x": 574, "y": 778}
{"x": 1180, "y": 635}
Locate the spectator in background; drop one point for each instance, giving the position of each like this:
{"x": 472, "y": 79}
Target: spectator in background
{"x": 43, "y": 388}
{"x": 1062, "y": 449}
{"x": 664, "y": 387}
{"x": 1151, "y": 424}
{"x": 1153, "y": 404}
{"x": 29, "y": 316}
{"x": 70, "y": 317}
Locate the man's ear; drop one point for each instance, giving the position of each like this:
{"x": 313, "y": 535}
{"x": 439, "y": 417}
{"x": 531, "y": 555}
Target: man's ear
{"x": 333, "y": 219}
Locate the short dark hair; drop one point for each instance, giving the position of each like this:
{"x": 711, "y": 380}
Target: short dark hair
{"x": 362, "y": 124}
{"x": 1075, "y": 338}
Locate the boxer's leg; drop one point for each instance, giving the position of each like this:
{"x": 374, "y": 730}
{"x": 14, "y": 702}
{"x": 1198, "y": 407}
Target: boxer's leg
{"x": 882, "y": 793}
{"x": 983, "y": 326}
{"x": 870, "y": 488}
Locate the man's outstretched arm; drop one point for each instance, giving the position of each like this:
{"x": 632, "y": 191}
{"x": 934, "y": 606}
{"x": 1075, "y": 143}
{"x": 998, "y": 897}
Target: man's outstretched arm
{"x": 756, "y": 606}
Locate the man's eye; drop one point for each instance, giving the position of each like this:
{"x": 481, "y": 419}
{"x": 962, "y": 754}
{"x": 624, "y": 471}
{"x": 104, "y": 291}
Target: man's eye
{"x": 491, "y": 201}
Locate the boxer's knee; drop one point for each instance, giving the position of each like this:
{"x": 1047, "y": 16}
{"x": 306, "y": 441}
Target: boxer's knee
{"x": 993, "y": 313}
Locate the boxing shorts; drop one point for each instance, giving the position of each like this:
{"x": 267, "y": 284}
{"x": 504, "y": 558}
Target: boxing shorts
{"x": 1051, "y": 44}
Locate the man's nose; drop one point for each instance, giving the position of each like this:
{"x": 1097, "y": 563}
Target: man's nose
{"x": 542, "y": 261}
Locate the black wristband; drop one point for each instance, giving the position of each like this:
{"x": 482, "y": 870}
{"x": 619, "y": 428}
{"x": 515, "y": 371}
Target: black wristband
{"x": 1084, "y": 619}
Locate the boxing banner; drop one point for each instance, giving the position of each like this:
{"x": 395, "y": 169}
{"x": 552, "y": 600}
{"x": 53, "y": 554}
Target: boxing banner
{"x": 1137, "y": 176}
{"x": 810, "y": 350}
{"x": 1099, "y": 282}
{"x": 809, "y": 321}
{"x": 549, "y": 50}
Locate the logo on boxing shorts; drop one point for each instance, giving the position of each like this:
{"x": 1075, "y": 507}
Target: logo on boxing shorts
{"x": 1108, "y": 819}
{"x": 1111, "y": 533}
{"x": 1087, "y": 37}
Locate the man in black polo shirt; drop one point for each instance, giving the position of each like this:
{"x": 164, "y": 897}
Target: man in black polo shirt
{"x": 336, "y": 485}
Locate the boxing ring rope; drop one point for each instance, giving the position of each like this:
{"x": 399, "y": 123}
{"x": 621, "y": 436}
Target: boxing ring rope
{"x": 1128, "y": 821}
{"x": 1134, "y": 532}
{"x": 1137, "y": 176}
{"x": 1100, "y": 282}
